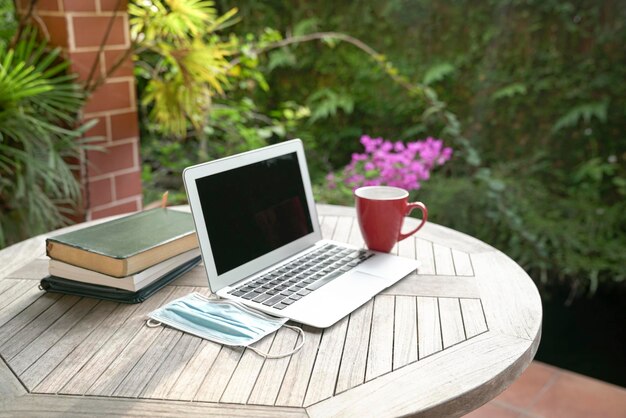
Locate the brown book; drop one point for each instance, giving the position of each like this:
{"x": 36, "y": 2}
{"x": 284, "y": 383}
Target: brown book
{"x": 126, "y": 245}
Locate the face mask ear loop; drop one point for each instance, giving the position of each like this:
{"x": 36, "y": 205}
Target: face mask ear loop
{"x": 151, "y": 323}
{"x": 276, "y": 356}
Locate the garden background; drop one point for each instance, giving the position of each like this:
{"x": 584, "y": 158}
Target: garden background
{"x": 530, "y": 96}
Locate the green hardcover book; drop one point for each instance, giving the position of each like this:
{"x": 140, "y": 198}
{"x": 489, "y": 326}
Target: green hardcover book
{"x": 126, "y": 245}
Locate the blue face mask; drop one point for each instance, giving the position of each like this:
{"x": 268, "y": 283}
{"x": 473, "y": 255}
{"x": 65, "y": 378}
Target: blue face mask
{"x": 222, "y": 321}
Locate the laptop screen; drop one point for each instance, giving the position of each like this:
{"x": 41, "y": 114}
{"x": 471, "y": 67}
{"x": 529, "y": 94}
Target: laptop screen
{"x": 252, "y": 210}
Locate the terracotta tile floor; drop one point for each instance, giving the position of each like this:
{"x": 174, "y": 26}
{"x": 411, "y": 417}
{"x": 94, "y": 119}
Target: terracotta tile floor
{"x": 545, "y": 391}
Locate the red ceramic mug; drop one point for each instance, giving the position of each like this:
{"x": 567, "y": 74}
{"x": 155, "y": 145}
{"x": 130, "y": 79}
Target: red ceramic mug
{"x": 381, "y": 211}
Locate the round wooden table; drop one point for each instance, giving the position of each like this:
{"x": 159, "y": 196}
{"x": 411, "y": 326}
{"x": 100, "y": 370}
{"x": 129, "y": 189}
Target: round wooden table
{"x": 441, "y": 342}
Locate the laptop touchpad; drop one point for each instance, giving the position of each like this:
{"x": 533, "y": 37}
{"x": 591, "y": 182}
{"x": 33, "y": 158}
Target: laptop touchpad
{"x": 388, "y": 266}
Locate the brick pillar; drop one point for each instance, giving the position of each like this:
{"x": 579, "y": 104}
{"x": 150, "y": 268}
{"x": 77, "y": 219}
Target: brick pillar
{"x": 111, "y": 178}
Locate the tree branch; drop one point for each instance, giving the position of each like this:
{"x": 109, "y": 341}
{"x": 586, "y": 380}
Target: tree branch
{"x": 22, "y": 22}
{"x": 317, "y": 36}
{"x": 89, "y": 81}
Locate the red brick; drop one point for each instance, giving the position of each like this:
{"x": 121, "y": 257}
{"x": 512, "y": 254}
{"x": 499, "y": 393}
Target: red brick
{"x": 113, "y": 158}
{"x": 42, "y": 6}
{"x": 57, "y": 29}
{"x": 79, "y": 5}
{"x": 576, "y": 396}
{"x": 82, "y": 62}
{"x": 525, "y": 390}
{"x": 99, "y": 132}
{"x": 115, "y": 210}
{"x": 111, "y": 57}
{"x": 21, "y": 5}
{"x": 110, "y": 5}
{"x": 90, "y": 30}
{"x": 110, "y": 96}
{"x": 46, "y": 5}
{"x": 127, "y": 185}
{"x": 100, "y": 192}
{"x": 124, "y": 125}
{"x": 491, "y": 410}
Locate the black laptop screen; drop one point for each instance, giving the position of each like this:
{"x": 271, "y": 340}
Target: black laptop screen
{"x": 252, "y": 210}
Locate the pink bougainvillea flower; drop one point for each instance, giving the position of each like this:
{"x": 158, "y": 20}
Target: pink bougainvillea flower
{"x": 390, "y": 163}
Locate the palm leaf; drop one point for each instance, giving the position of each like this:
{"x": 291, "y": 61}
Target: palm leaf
{"x": 35, "y": 95}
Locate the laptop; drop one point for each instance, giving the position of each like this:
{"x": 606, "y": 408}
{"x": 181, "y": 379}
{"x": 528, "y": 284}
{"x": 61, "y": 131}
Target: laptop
{"x": 262, "y": 245}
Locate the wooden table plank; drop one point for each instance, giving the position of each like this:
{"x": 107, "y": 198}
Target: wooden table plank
{"x": 5, "y": 285}
{"x": 242, "y": 382}
{"x": 405, "y": 331}
{"x": 428, "y": 327}
{"x": 272, "y": 373}
{"x": 473, "y": 317}
{"x": 407, "y": 248}
{"x": 196, "y": 277}
{"x": 192, "y": 376}
{"x": 324, "y": 374}
{"x": 35, "y": 349}
{"x": 19, "y": 304}
{"x": 126, "y": 358}
{"x": 35, "y": 270}
{"x": 294, "y": 387}
{"x": 462, "y": 263}
{"x": 418, "y": 285}
{"x": 425, "y": 255}
{"x": 20, "y": 254}
{"x": 510, "y": 299}
{"x": 147, "y": 365}
{"x": 452, "y": 330}
{"x": 452, "y": 239}
{"x": 429, "y": 382}
{"x": 101, "y": 360}
{"x": 355, "y": 237}
{"x": 88, "y": 347}
{"x": 354, "y": 357}
{"x": 164, "y": 379}
{"x": 10, "y": 386}
{"x": 219, "y": 375}
{"x": 18, "y": 341}
{"x": 343, "y": 228}
{"x": 380, "y": 353}
{"x": 443, "y": 260}
{"x": 327, "y": 224}
{"x": 89, "y": 406}
{"x": 65, "y": 345}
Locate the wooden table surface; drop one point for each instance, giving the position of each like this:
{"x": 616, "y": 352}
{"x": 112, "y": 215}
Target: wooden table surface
{"x": 441, "y": 342}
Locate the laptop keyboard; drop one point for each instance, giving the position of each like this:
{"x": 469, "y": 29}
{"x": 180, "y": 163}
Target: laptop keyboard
{"x": 289, "y": 283}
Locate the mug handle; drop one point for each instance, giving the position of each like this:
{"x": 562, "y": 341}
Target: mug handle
{"x": 410, "y": 208}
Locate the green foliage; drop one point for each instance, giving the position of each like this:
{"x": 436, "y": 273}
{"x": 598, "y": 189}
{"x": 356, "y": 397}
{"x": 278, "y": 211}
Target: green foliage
{"x": 183, "y": 63}
{"x": 530, "y": 95}
{"x": 437, "y": 73}
{"x": 582, "y": 113}
{"x": 509, "y": 91}
{"x": 8, "y": 19}
{"x": 574, "y": 238}
{"x": 326, "y": 103}
{"x": 38, "y": 107}
{"x": 196, "y": 90}
{"x": 504, "y": 82}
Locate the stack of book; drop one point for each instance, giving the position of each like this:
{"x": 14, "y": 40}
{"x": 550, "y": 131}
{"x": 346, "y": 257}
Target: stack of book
{"x": 125, "y": 260}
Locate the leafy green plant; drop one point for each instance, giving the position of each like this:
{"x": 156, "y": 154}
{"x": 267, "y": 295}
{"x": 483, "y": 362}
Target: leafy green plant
{"x": 528, "y": 93}
{"x": 183, "y": 63}
{"x": 582, "y": 113}
{"x": 8, "y": 19}
{"x": 39, "y": 144}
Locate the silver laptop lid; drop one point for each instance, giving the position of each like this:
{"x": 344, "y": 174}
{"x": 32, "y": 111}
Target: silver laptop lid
{"x": 252, "y": 210}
